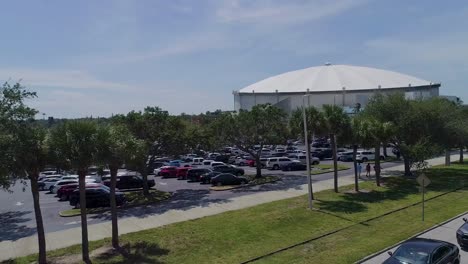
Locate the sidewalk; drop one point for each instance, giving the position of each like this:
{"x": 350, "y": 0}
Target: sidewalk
{"x": 60, "y": 239}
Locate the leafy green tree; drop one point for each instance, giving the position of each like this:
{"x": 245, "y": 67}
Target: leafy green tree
{"x": 335, "y": 120}
{"x": 115, "y": 145}
{"x": 76, "y": 142}
{"x": 23, "y": 149}
{"x": 264, "y": 124}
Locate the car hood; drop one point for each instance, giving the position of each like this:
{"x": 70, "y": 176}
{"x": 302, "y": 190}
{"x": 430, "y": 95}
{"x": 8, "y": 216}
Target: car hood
{"x": 463, "y": 228}
{"x": 392, "y": 260}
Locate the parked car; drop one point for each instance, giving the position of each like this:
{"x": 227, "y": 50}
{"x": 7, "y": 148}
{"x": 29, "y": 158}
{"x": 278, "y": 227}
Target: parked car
{"x": 69, "y": 177}
{"x": 96, "y": 197}
{"x": 206, "y": 178}
{"x": 303, "y": 159}
{"x": 51, "y": 176}
{"x": 365, "y": 156}
{"x": 294, "y": 166}
{"x": 325, "y": 153}
{"x": 228, "y": 179}
{"x": 241, "y": 161}
{"x": 45, "y": 184}
{"x": 129, "y": 182}
{"x": 58, "y": 184}
{"x": 175, "y": 163}
{"x": 427, "y": 251}
{"x": 197, "y": 161}
{"x": 229, "y": 169}
{"x": 168, "y": 172}
{"x": 181, "y": 173}
{"x": 194, "y": 174}
{"x": 276, "y": 163}
{"x": 462, "y": 234}
{"x": 345, "y": 156}
{"x": 262, "y": 161}
{"x": 65, "y": 191}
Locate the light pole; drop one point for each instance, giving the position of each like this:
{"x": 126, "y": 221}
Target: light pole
{"x": 306, "y": 141}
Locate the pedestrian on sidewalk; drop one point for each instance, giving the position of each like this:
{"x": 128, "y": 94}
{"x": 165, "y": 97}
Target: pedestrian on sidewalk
{"x": 368, "y": 169}
{"x": 359, "y": 169}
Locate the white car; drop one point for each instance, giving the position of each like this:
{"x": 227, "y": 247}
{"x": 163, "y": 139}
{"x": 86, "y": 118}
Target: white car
{"x": 303, "y": 159}
{"x": 240, "y": 161}
{"x": 47, "y": 183}
{"x": 276, "y": 163}
{"x": 69, "y": 177}
{"x": 365, "y": 156}
{"x": 54, "y": 188}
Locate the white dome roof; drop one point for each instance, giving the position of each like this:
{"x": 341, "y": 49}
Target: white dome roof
{"x": 333, "y": 78}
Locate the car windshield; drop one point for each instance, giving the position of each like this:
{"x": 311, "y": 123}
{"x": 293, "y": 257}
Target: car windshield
{"x": 411, "y": 254}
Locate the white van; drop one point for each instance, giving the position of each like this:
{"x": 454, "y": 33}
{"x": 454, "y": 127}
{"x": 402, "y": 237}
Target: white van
{"x": 276, "y": 163}
{"x": 197, "y": 161}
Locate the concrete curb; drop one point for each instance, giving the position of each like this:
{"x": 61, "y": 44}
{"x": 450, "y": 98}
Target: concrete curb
{"x": 414, "y": 236}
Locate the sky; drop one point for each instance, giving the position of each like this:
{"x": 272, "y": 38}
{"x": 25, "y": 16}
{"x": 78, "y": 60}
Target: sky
{"x": 98, "y": 58}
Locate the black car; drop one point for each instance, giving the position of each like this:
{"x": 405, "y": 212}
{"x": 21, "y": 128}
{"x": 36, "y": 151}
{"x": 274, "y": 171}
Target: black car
{"x": 427, "y": 251}
{"x": 96, "y": 197}
{"x": 206, "y": 178}
{"x": 229, "y": 169}
{"x": 228, "y": 179}
{"x": 462, "y": 234}
{"x": 129, "y": 182}
{"x": 294, "y": 166}
{"x": 323, "y": 154}
{"x": 195, "y": 174}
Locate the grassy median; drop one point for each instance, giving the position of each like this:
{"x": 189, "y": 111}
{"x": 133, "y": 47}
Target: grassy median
{"x": 237, "y": 236}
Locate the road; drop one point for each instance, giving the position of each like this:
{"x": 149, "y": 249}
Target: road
{"x": 446, "y": 232}
{"x": 17, "y": 215}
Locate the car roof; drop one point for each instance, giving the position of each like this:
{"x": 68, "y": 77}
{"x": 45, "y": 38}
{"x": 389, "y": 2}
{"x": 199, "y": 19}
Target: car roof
{"x": 425, "y": 244}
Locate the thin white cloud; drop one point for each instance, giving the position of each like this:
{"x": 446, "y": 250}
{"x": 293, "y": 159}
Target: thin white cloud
{"x": 59, "y": 79}
{"x": 270, "y": 12}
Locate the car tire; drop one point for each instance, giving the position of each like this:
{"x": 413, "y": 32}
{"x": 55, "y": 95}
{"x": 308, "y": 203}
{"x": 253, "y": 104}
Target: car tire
{"x": 289, "y": 169}
{"x": 51, "y": 188}
{"x": 219, "y": 184}
{"x": 63, "y": 197}
{"x": 364, "y": 159}
{"x": 275, "y": 167}
{"x": 77, "y": 205}
{"x": 382, "y": 157}
{"x": 315, "y": 162}
{"x": 241, "y": 164}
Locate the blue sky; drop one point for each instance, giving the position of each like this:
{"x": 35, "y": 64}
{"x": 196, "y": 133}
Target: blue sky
{"x": 102, "y": 57}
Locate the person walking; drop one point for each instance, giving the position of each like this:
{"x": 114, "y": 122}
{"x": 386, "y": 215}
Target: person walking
{"x": 368, "y": 169}
{"x": 359, "y": 169}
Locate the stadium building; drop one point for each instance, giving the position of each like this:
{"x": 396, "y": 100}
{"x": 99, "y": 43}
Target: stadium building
{"x": 342, "y": 85}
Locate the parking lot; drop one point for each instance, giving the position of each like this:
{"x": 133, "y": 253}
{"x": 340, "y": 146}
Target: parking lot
{"x": 17, "y": 214}
{"x": 446, "y": 232}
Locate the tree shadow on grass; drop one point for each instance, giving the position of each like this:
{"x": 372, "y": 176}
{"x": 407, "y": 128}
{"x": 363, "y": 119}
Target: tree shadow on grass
{"x": 139, "y": 252}
{"x": 342, "y": 206}
{"x": 11, "y": 227}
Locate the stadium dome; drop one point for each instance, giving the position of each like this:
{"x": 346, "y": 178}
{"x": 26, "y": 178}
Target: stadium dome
{"x": 343, "y": 85}
{"x": 333, "y": 78}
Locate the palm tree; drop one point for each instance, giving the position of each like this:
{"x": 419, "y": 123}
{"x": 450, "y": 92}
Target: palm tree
{"x": 114, "y": 147}
{"x": 23, "y": 149}
{"x": 76, "y": 141}
{"x": 334, "y": 120}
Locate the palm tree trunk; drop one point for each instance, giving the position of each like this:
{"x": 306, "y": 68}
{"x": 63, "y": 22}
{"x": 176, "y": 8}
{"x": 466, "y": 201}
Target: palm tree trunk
{"x": 461, "y": 155}
{"x": 84, "y": 223}
{"x": 406, "y": 161}
{"x": 39, "y": 224}
{"x": 115, "y": 225}
{"x": 144, "y": 175}
{"x": 356, "y": 176}
{"x": 258, "y": 166}
{"x": 335, "y": 163}
{"x": 447, "y": 157}
{"x": 377, "y": 164}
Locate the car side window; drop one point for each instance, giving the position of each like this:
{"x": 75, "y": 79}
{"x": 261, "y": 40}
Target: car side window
{"x": 440, "y": 254}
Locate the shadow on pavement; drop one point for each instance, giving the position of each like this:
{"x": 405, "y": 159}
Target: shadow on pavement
{"x": 11, "y": 227}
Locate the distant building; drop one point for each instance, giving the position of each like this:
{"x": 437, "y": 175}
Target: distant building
{"x": 342, "y": 85}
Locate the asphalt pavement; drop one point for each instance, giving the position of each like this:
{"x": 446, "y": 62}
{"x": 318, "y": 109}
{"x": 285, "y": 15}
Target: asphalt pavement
{"x": 17, "y": 213}
{"x": 445, "y": 232}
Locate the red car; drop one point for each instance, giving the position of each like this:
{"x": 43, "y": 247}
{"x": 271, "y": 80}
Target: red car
{"x": 251, "y": 163}
{"x": 181, "y": 173}
{"x": 168, "y": 171}
{"x": 65, "y": 191}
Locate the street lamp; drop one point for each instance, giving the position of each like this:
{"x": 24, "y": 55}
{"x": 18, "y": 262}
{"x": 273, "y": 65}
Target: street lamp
{"x": 306, "y": 141}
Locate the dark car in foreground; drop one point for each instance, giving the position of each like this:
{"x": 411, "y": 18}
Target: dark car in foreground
{"x": 425, "y": 251}
{"x": 96, "y": 197}
{"x": 228, "y": 179}
{"x": 129, "y": 182}
{"x": 206, "y": 178}
{"x": 462, "y": 234}
{"x": 194, "y": 175}
{"x": 229, "y": 169}
{"x": 294, "y": 166}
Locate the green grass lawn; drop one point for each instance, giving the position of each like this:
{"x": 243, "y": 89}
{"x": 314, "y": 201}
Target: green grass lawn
{"x": 237, "y": 236}
{"x": 326, "y": 168}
